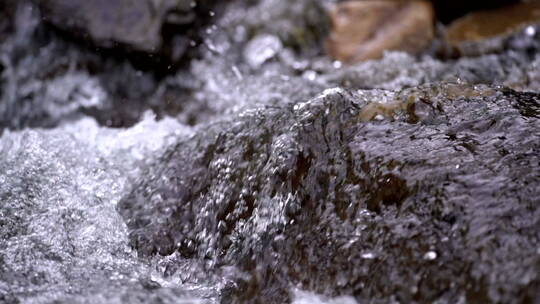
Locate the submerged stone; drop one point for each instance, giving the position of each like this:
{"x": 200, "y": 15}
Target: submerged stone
{"x": 363, "y": 30}
{"x": 296, "y": 194}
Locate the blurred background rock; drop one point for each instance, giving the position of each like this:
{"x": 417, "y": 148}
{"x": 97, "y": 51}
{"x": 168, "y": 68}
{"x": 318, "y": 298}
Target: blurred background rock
{"x": 130, "y": 56}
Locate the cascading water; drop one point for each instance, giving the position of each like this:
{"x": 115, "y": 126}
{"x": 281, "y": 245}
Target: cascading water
{"x": 263, "y": 171}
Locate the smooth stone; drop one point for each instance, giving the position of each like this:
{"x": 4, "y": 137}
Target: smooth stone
{"x": 486, "y": 31}
{"x": 363, "y": 30}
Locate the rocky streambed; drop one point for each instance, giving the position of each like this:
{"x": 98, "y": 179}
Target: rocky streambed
{"x": 226, "y": 158}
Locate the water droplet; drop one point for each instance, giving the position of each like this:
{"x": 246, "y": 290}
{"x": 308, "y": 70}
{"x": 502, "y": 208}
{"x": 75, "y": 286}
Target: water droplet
{"x": 430, "y": 255}
{"x": 368, "y": 255}
{"x": 222, "y": 226}
{"x": 337, "y": 64}
{"x": 530, "y": 31}
{"x": 237, "y": 73}
{"x": 310, "y": 75}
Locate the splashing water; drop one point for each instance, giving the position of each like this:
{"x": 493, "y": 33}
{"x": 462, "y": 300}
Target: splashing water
{"x": 284, "y": 178}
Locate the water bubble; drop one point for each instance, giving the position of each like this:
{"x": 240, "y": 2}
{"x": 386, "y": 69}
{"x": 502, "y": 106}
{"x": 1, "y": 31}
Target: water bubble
{"x": 310, "y": 75}
{"x": 261, "y": 48}
{"x": 337, "y": 64}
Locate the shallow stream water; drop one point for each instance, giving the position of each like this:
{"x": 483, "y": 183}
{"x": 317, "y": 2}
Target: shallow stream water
{"x": 265, "y": 172}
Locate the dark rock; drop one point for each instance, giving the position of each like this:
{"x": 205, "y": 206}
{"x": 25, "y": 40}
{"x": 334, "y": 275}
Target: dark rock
{"x": 448, "y": 11}
{"x": 7, "y": 10}
{"x": 140, "y": 25}
{"x": 434, "y": 201}
{"x": 46, "y": 80}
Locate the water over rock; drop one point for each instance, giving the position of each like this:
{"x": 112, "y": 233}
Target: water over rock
{"x": 432, "y": 200}
{"x": 415, "y": 180}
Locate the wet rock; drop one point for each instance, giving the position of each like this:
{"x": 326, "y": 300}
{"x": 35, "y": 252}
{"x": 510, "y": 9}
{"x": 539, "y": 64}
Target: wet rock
{"x": 491, "y": 30}
{"x": 517, "y": 69}
{"x": 36, "y": 86}
{"x": 139, "y": 24}
{"x": 363, "y": 30}
{"x": 388, "y": 190}
{"x": 300, "y": 25}
{"x": 7, "y": 10}
{"x": 46, "y": 80}
{"x": 260, "y": 49}
{"x": 299, "y": 193}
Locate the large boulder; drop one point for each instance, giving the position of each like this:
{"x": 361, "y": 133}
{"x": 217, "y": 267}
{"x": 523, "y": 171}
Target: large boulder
{"x": 429, "y": 198}
{"x": 137, "y": 24}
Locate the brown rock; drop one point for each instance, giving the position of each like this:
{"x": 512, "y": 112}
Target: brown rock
{"x": 484, "y": 31}
{"x": 363, "y": 30}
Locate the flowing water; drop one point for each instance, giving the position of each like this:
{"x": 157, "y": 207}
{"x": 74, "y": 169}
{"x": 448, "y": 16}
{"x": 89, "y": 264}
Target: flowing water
{"x": 265, "y": 172}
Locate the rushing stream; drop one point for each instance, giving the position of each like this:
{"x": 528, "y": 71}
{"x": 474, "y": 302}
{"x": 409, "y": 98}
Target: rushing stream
{"x": 262, "y": 171}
